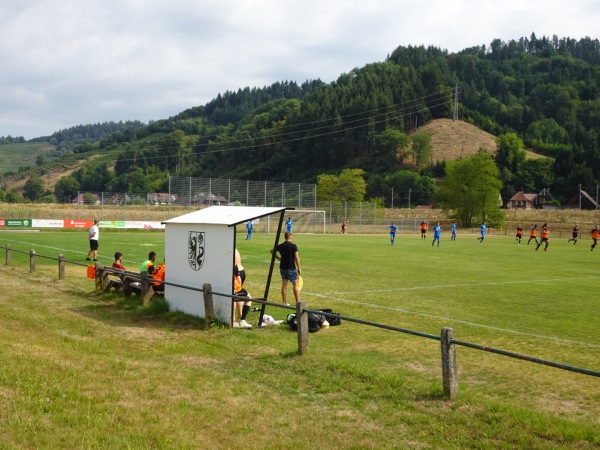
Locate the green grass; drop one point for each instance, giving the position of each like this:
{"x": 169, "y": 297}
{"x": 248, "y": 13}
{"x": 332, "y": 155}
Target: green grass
{"x": 13, "y": 156}
{"x": 88, "y": 370}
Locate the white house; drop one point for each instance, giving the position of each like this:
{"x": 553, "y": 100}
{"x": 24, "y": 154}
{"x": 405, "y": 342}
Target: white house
{"x": 199, "y": 248}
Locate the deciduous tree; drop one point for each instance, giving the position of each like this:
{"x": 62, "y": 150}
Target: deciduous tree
{"x": 471, "y": 189}
{"x": 33, "y": 189}
{"x": 349, "y": 186}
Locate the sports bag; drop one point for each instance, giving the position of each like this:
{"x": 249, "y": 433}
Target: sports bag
{"x": 314, "y": 322}
{"x": 333, "y": 321}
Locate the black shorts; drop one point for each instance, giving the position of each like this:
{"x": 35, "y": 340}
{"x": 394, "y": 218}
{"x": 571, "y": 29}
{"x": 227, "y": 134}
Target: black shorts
{"x": 93, "y": 244}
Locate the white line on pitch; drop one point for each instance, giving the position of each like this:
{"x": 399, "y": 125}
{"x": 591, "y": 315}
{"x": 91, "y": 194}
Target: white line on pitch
{"x": 496, "y": 283}
{"x": 432, "y": 316}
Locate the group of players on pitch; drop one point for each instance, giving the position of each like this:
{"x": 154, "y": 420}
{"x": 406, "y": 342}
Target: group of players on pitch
{"x": 544, "y": 234}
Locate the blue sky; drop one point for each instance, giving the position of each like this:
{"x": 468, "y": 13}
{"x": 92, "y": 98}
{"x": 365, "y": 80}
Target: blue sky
{"x": 71, "y": 62}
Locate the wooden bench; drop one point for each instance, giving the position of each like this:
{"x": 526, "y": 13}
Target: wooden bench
{"x": 108, "y": 278}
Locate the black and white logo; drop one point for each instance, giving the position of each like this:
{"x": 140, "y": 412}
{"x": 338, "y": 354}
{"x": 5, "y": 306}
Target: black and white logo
{"x": 196, "y": 249}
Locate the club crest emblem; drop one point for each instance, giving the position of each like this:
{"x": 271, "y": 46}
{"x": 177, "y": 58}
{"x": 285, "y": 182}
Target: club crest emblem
{"x": 196, "y": 249}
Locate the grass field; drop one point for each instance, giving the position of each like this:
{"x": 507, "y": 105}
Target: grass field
{"x": 88, "y": 370}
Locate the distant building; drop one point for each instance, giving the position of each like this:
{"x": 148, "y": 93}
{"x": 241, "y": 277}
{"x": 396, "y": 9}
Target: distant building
{"x": 87, "y": 198}
{"x": 116, "y": 199}
{"x": 582, "y": 200}
{"x": 202, "y": 199}
{"x": 523, "y": 201}
{"x": 161, "y": 198}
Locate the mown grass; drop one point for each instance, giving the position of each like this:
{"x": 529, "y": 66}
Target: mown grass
{"x": 88, "y": 370}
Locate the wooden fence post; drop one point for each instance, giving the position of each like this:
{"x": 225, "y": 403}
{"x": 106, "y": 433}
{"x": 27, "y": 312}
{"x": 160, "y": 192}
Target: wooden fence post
{"x": 209, "y": 309}
{"x": 302, "y": 322}
{"x": 8, "y": 254}
{"x": 449, "y": 374}
{"x": 99, "y": 274}
{"x": 61, "y": 267}
{"x": 147, "y": 290}
{"x": 31, "y": 261}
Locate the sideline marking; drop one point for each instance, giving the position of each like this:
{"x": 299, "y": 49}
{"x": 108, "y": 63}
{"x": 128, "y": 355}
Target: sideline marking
{"x": 496, "y": 283}
{"x": 464, "y": 322}
{"x": 49, "y": 246}
{"x": 67, "y": 251}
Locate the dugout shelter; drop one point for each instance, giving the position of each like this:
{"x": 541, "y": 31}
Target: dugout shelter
{"x": 199, "y": 249}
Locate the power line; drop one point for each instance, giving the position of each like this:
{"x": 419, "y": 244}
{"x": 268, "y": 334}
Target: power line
{"x": 368, "y": 118}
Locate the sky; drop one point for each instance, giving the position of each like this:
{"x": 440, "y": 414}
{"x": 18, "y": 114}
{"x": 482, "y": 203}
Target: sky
{"x": 69, "y": 62}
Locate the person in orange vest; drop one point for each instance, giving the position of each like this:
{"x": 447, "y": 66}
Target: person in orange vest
{"x": 544, "y": 237}
{"x": 533, "y": 234}
{"x": 158, "y": 276}
{"x": 423, "y": 229}
{"x": 595, "y": 235}
{"x": 519, "y": 234}
{"x": 239, "y": 276}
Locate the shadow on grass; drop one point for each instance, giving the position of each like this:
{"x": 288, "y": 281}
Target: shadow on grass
{"x": 114, "y": 309}
{"x": 434, "y": 394}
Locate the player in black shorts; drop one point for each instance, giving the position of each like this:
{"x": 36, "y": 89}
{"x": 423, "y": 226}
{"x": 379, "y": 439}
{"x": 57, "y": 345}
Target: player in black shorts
{"x": 575, "y": 235}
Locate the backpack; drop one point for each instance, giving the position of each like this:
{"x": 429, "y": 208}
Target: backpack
{"x": 333, "y": 321}
{"x": 314, "y": 322}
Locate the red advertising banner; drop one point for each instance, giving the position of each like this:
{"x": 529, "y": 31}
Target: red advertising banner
{"x": 76, "y": 223}
{"x": 2, "y": 223}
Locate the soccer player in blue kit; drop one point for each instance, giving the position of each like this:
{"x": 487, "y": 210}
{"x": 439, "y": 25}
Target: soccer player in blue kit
{"x": 482, "y": 230}
{"x": 453, "y": 238}
{"x": 437, "y": 232}
{"x": 288, "y": 225}
{"x": 393, "y": 229}
{"x": 249, "y": 228}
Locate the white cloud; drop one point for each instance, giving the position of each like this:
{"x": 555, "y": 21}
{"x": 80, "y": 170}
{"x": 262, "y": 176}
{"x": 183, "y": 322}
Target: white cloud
{"x": 66, "y": 62}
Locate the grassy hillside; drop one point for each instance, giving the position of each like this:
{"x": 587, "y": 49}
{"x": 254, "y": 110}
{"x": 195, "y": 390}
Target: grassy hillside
{"x": 13, "y": 156}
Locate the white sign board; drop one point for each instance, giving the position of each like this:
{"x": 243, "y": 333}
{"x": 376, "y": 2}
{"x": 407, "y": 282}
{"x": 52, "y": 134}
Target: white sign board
{"x": 197, "y": 254}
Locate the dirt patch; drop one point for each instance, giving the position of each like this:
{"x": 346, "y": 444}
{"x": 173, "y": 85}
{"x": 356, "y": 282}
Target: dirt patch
{"x": 457, "y": 139}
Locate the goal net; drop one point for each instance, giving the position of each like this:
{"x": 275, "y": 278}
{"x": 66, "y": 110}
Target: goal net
{"x": 303, "y": 221}
{"x": 306, "y": 221}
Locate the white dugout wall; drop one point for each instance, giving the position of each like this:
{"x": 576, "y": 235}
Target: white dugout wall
{"x": 199, "y": 249}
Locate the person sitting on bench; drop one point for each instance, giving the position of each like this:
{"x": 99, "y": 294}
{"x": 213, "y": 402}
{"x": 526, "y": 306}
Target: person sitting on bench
{"x": 117, "y": 264}
{"x": 158, "y": 274}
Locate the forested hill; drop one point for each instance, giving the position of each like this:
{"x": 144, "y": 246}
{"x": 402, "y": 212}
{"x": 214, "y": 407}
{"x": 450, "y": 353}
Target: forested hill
{"x": 544, "y": 90}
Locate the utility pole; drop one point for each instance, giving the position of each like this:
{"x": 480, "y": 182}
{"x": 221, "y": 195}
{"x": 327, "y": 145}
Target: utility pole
{"x": 409, "y": 190}
{"x": 579, "y": 196}
{"x": 392, "y": 198}
{"x": 455, "y": 117}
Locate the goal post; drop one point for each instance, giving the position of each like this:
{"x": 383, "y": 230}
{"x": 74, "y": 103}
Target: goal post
{"x": 311, "y": 221}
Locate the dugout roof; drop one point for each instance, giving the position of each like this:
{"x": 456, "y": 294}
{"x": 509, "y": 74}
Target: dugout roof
{"x": 226, "y": 215}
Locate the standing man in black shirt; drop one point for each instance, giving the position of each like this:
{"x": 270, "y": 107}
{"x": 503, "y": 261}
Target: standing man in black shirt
{"x": 287, "y": 253}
